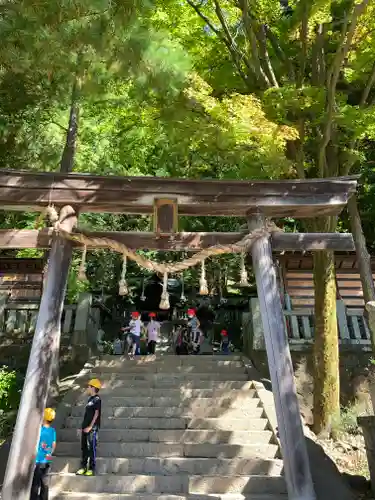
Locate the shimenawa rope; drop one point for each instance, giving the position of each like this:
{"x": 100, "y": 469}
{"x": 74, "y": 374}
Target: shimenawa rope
{"x": 89, "y": 241}
{"x": 239, "y": 247}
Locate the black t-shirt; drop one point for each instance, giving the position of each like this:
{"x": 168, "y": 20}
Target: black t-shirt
{"x": 94, "y": 403}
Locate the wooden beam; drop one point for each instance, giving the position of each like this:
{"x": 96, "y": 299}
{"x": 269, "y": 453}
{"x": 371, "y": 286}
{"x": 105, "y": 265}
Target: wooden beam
{"x": 46, "y": 341}
{"x": 21, "y": 266}
{"x": 33, "y": 238}
{"x": 293, "y": 445}
{"x": 364, "y": 263}
{"x": 297, "y": 198}
{"x": 308, "y": 242}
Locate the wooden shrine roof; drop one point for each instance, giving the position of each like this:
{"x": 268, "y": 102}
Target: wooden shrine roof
{"x": 286, "y": 198}
{"x": 22, "y": 278}
{"x": 298, "y": 281}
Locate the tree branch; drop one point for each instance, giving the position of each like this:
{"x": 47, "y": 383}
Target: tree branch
{"x": 279, "y": 52}
{"x": 303, "y": 40}
{"x": 260, "y": 73}
{"x": 300, "y": 157}
{"x": 232, "y": 45}
{"x": 367, "y": 89}
{"x": 262, "y": 38}
{"x": 58, "y": 125}
{"x": 350, "y": 160}
{"x": 349, "y": 27}
{"x": 229, "y": 43}
{"x": 318, "y": 66}
{"x": 296, "y": 152}
{"x": 204, "y": 17}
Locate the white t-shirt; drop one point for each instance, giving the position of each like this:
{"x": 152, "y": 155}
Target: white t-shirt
{"x": 153, "y": 328}
{"x": 135, "y": 326}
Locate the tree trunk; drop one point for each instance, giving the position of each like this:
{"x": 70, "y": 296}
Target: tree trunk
{"x": 326, "y": 344}
{"x": 68, "y": 155}
{"x": 67, "y": 158}
{"x": 66, "y": 166}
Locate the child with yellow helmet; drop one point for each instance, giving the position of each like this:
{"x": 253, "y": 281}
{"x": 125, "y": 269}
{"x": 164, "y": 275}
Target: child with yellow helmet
{"x": 46, "y": 448}
{"x": 90, "y": 428}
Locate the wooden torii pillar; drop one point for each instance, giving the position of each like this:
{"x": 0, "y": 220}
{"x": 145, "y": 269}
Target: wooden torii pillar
{"x": 46, "y": 341}
{"x": 293, "y": 444}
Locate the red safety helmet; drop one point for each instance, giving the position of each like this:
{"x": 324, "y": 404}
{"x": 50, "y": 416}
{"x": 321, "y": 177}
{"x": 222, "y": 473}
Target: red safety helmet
{"x": 135, "y": 314}
{"x": 224, "y": 333}
{"x": 191, "y": 311}
{"x": 152, "y": 315}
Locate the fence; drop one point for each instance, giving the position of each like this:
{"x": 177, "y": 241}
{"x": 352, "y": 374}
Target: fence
{"x": 300, "y": 324}
{"x": 18, "y": 321}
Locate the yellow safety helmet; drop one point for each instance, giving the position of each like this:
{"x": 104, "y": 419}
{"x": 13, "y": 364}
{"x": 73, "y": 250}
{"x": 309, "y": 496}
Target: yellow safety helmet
{"x": 94, "y": 382}
{"x": 49, "y": 414}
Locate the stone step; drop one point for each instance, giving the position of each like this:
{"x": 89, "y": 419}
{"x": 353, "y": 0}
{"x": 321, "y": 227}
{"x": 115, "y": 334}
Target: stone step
{"x": 170, "y": 368}
{"x": 129, "y": 392}
{"x": 181, "y": 411}
{"x": 174, "y": 436}
{"x": 160, "y": 450}
{"x": 223, "y": 423}
{"x": 178, "y": 483}
{"x": 56, "y": 495}
{"x": 220, "y": 360}
{"x": 227, "y": 423}
{"x": 235, "y": 401}
{"x": 178, "y": 465}
{"x": 197, "y": 374}
{"x": 236, "y": 484}
{"x": 117, "y": 384}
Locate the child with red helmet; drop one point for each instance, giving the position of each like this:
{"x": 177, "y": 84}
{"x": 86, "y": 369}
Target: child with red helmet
{"x": 135, "y": 329}
{"x": 153, "y": 330}
{"x": 194, "y": 325}
{"x": 224, "y": 345}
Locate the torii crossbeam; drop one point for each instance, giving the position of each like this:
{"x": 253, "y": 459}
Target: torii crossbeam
{"x": 286, "y": 198}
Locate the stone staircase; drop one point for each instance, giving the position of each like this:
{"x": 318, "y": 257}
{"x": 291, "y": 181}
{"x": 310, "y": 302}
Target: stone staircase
{"x": 173, "y": 428}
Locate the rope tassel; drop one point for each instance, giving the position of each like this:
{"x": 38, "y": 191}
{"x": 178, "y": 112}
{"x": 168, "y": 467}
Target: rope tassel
{"x": 122, "y": 285}
{"x": 244, "y": 280}
{"x": 203, "y": 287}
{"x": 82, "y": 267}
{"x": 143, "y": 296}
{"x": 164, "y": 302}
{"x": 183, "y": 298}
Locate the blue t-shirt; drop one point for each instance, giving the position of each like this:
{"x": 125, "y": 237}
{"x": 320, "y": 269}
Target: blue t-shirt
{"x": 193, "y": 323}
{"x": 46, "y": 440}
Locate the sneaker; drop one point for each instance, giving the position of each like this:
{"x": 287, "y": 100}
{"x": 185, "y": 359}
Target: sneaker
{"x": 81, "y": 472}
{"x": 89, "y": 473}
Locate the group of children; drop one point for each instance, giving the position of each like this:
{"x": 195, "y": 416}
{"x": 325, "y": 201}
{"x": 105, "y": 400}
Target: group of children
{"x": 135, "y": 330}
{"x": 189, "y": 339}
{"x": 47, "y": 442}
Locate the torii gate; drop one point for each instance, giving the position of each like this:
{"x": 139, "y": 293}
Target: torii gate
{"x": 168, "y": 197}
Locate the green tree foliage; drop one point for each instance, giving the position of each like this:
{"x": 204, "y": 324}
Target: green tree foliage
{"x": 144, "y": 109}
{"x": 313, "y": 69}
{"x": 57, "y": 58}
{"x": 10, "y": 392}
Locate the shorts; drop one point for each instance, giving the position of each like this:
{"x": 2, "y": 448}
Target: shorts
{"x": 137, "y": 342}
